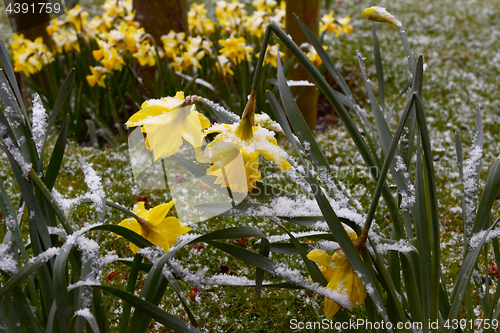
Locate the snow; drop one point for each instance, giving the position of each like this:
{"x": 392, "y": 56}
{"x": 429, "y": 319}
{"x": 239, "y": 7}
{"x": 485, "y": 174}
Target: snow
{"x": 302, "y": 83}
{"x": 85, "y": 313}
{"x": 401, "y": 246}
{"x": 7, "y": 261}
{"x": 475, "y": 241}
{"x": 382, "y": 11}
{"x": 18, "y": 157}
{"x": 220, "y": 109}
{"x": 39, "y": 124}
{"x": 94, "y": 184}
{"x": 471, "y": 165}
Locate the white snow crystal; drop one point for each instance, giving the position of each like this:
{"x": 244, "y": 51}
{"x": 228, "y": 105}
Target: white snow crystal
{"x": 39, "y": 124}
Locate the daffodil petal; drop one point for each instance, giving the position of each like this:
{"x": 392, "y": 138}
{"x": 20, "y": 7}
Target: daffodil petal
{"x": 158, "y": 213}
{"x": 131, "y": 224}
{"x": 320, "y": 257}
{"x": 331, "y": 308}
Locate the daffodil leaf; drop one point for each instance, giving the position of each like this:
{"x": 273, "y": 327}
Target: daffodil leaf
{"x": 163, "y": 317}
{"x": 289, "y": 248}
{"x": 131, "y": 282}
{"x": 7, "y": 67}
{"x": 57, "y": 156}
{"x": 230, "y": 233}
{"x": 61, "y": 98}
{"x": 259, "y": 274}
{"x": 378, "y": 66}
{"x": 465, "y": 273}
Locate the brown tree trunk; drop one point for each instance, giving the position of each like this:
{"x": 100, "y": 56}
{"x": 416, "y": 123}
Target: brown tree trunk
{"x": 33, "y": 25}
{"x": 308, "y": 12}
{"x": 158, "y": 17}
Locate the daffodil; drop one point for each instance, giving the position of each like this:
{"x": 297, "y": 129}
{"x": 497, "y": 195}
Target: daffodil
{"x": 235, "y": 48}
{"x": 341, "y": 277}
{"x": 146, "y": 54}
{"x": 272, "y": 55}
{"x": 153, "y": 225}
{"x": 261, "y": 141}
{"x": 224, "y": 65}
{"x": 380, "y": 14}
{"x": 344, "y": 24}
{"x": 167, "y": 122}
{"x": 172, "y": 43}
{"x": 98, "y": 76}
{"x": 327, "y": 23}
{"x": 257, "y": 23}
{"x": 312, "y": 54}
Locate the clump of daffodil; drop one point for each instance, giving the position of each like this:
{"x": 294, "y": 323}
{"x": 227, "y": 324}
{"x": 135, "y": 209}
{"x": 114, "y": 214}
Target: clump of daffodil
{"x": 167, "y": 121}
{"x": 30, "y": 56}
{"x": 380, "y": 14}
{"x": 98, "y": 76}
{"x": 235, "y": 49}
{"x": 340, "y": 275}
{"x": 198, "y": 21}
{"x": 252, "y": 140}
{"x": 155, "y": 226}
{"x": 230, "y": 15}
{"x": 272, "y": 55}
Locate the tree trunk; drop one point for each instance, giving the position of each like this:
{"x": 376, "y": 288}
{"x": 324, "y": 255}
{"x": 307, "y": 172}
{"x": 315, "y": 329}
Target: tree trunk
{"x": 308, "y": 12}
{"x": 158, "y": 17}
{"x": 32, "y": 25}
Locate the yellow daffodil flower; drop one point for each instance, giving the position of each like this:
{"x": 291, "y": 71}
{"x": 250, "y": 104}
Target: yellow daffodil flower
{"x": 327, "y": 23}
{"x": 98, "y": 76}
{"x": 257, "y": 23}
{"x": 280, "y": 14}
{"x": 167, "y": 123}
{"x": 272, "y": 55}
{"x": 224, "y": 65}
{"x": 160, "y": 230}
{"x": 341, "y": 277}
{"x": 146, "y": 54}
{"x": 312, "y": 54}
{"x": 172, "y": 43}
{"x": 113, "y": 60}
{"x": 235, "y": 48}
{"x": 380, "y": 14}
{"x": 30, "y": 56}
{"x": 344, "y": 24}
{"x": 261, "y": 141}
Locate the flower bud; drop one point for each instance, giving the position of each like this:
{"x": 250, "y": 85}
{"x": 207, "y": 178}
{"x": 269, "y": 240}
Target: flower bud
{"x": 380, "y": 14}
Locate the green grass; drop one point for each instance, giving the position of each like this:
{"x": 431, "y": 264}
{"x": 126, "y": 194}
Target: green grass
{"x": 459, "y": 41}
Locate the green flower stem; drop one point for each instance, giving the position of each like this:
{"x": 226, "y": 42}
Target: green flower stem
{"x": 60, "y": 214}
{"x": 260, "y": 61}
{"x": 123, "y": 209}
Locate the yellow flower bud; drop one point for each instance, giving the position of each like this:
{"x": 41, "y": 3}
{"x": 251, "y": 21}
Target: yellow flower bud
{"x": 380, "y": 14}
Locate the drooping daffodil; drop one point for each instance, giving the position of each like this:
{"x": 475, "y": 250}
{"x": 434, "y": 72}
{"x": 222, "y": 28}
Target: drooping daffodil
{"x": 341, "y": 277}
{"x": 167, "y": 121}
{"x": 252, "y": 141}
{"x": 153, "y": 225}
